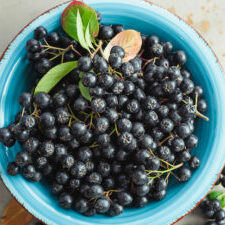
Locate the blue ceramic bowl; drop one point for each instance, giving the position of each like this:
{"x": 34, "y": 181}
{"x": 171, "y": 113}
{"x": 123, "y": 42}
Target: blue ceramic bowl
{"x": 17, "y": 75}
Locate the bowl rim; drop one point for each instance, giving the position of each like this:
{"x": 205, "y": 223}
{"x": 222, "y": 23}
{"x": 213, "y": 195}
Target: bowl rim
{"x": 4, "y": 54}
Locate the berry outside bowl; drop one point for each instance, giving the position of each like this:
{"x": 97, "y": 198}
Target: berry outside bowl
{"x": 16, "y": 76}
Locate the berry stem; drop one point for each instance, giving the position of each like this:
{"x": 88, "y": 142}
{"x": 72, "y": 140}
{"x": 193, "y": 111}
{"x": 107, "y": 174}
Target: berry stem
{"x": 94, "y": 145}
{"x": 100, "y": 43}
{"x": 148, "y": 61}
{"x": 148, "y": 172}
{"x": 117, "y": 132}
{"x": 197, "y": 113}
{"x": 167, "y": 138}
{"x": 71, "y": 113}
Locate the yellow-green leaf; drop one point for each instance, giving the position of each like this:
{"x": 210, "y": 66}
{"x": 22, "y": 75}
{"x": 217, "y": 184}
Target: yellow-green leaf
{"x": 53, "y": 76}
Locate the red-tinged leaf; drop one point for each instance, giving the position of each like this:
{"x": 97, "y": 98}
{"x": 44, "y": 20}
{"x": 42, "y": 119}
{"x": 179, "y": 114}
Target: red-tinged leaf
{"x": 129, "y": 40}
{"x": 15, "y": 214}
{"x": 88, "y": 20}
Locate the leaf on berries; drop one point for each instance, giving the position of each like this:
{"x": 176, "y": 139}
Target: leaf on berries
{"x": 78, "y": 19}
{"x": 222, "y": 201}
{"x": 85, "y": 92}
{"x": 15, "y": 214}
{"x": 129, "y": 40}
{"x": 214, "y": 194}
{"x": 53, "y": 76}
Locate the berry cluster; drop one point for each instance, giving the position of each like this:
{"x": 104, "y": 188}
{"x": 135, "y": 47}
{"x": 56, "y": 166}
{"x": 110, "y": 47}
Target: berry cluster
{"x": 119, "y": 149}
{"x": 221, "y": 179}
{"x": 211, "y": 208}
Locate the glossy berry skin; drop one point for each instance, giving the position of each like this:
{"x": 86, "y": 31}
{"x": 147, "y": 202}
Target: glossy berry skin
{"x": 53, "y": 38}
{"x": 191, "y": 141}
{"x": 47, "y": 148}
{"x": 25, "y": 99}
{"x": 118, "y": 50}
{"x": 28, "y": 171}
{"x": 219, "y": 215}
{"x": 140, "y": 202}
{"x": 184, "y": 174}
{"x": 139, "y": 177}
{"x": 84, "y": 63}
{"x": 124, "y": 125}
{"x": 94, "y": 178}
{"x": 183, "y": 156}
{"x": 117, "y": 28}
{"x": 84, "y": 154}
{"x": 129, "y": 88}
{"x": 178, "y": 144}
{"x": 41, "y": 162}
{"x": 159, "y": 195}
{"x": 187, "y": 86}
{"x": 31, "y": 145}
{"x": 59, "y": 99}
{"x": 67, "y": 161}
{"x": 61, "y": 116}
{"x": 166, "y": 125}
{"x": 118, "y": 87}
{"x": 89, "y": 79}
{"x": 13, "y": 169}
{"x": 112, "y": 115}
{"x": 151, "y": 118}
{"x": 78, "y": 170}
{"x": 106, "y": 81}
{"x": 115, "y": 60}
{"x": 102, "y": 124}
{"x": 40, "y": 33}
{"x": 43, "y": 66}
{"x": 183, "y": 130}
{"x": 125, "y": 139}
{"x": 5, "y": 134}
{"x": 98, "y": 105}
{"x": 100, "y": 66}
{"x": 94, "y": 191}
{"x": 47, "y": 120}
{"x": 62, "y": 177}
{"x": 124, "y": 198}
{"x": 164, "y": 152}
{"x": 202, "y": 105}
{"x": 65, "y": 200}
{"x": 42, "y": 100}
{"x": 104, "y": 169}
{"x": 127, "y": 69}
{"x": 156, "y": 50}
{"x": 138, "y": 129}
{"x": 81, "y": 205}
{"x": 132, "y": 106}
{"x": 115, "y": 209}
{"x": 80, "y": 104}
{"x": 33, "y": 45}
{"x": 180, "y": 57}
{"x": 22, "y": 158}
{"x": 102, "y": 205}
{"x": 106, "y": 32}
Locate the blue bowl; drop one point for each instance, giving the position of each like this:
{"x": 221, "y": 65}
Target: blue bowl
{"x": 17, "y": 75}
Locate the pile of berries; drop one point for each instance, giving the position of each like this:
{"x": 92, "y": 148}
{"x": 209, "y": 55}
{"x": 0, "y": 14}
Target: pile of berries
{"x": 212, "y": 210}
{"x": 119, "y": 149}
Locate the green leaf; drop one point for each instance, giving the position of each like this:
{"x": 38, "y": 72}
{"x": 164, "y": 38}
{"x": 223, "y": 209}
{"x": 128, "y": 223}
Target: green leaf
{"x": 53, "y": 76}
{"x": 214, "y": 194}
{"x": 80, "y": 32}
{"x": 88, "y": 37}
{"x": 88, "y": 18}
{"x": 85, "y": 92}
{"x": 222, "y": 201}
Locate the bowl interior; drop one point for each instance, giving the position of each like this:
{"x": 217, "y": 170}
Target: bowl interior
{"x": 17, "y": 75}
